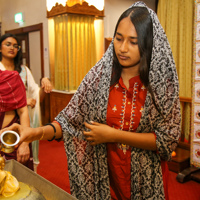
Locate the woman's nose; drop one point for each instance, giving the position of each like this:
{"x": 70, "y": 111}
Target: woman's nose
{"x": 124, "y": 47}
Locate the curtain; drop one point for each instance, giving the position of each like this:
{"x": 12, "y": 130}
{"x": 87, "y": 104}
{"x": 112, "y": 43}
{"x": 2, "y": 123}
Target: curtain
{"x": 176, "y": 17}
{"x": 75, "y": 50}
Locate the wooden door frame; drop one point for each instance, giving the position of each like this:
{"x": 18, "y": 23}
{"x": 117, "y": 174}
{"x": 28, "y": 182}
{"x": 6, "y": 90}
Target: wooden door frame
{"x": 156, "y": 5}
{"x": 28, "y": 29}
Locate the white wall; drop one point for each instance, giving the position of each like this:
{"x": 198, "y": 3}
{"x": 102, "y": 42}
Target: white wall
{"x": 113, "y": 10}
{"x": 34, "y": 13}
{"x": 35, "y": 56}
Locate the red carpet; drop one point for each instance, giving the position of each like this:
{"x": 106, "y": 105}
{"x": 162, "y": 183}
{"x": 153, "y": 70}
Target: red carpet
{"x": 53, "y": 167}
{"x": 53, "y": 164}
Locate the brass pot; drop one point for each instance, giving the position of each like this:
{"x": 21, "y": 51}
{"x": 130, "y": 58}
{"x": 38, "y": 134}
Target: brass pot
{"x": 8, "y": 141}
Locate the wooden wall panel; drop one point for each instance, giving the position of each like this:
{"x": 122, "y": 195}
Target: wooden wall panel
{"x": 58, "y": 101}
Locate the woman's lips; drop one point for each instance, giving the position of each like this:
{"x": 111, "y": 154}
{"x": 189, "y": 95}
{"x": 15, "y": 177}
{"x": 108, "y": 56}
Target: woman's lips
{"x": 123, "y": 57}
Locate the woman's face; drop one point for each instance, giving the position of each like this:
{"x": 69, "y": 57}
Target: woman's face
{"x": 9, "y": 48}
{"x": 126, "y": 44}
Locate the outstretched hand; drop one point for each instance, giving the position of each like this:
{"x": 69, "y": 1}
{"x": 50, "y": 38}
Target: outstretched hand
{"x": 26, "y": 133}
{"x": 99, "y": 133}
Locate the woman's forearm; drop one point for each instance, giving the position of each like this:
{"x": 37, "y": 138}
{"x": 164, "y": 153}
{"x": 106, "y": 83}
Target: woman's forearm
{"x": 139, "y": 140}
{"x": 47, "y": 132}
{"x": 101, "y": 133}
{"x": 28, "y": 134}
{"x": 24, "y": 116}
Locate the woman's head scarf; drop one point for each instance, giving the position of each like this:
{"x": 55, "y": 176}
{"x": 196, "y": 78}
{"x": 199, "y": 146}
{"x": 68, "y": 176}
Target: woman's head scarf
{"x": 87, "y": 164}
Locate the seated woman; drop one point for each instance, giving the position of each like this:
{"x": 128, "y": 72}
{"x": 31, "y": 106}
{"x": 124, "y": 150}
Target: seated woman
{"x": 13, "y": 109}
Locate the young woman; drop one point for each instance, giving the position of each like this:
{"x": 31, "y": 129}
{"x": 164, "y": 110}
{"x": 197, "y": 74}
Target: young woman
{"x": 11, "y": 60}
{"x": 123, "y": 123}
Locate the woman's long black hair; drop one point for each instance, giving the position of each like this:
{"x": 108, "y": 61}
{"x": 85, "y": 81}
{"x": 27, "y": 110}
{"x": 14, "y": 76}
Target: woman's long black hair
{"x": 18, "y": 58}
{"x": 142, "y": 22}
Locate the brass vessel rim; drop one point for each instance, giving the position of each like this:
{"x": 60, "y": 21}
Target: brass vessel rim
{"x": 13, "y": 132}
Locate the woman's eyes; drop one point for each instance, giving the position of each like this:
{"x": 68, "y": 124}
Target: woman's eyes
{"x": 14, "y": 45}
{"x": 118, "y": 39}
{"x": 8, "y": 44}
{"x": 132, "y": 42}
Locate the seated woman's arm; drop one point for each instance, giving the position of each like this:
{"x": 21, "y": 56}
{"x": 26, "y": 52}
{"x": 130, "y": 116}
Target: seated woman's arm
{"x": 23, "y": 152}
{"x": 23, "y": 116}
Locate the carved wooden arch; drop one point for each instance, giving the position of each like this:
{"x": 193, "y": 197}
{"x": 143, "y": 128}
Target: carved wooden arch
{"x": 83, "y": 9}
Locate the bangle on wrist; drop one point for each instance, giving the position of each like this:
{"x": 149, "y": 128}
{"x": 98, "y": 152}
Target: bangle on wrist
{"x": 42, "y": 134}
{"x": 61, "y": 138}
{"x": 54, "y": 128}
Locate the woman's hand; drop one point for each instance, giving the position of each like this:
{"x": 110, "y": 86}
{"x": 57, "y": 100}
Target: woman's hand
{"x": 23, "y": 153}
{"x": 27, "y": 134}
{"x": 100, "y": 133}
{"x": 31, "y": 102}
{"x": 46, "y": 85}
